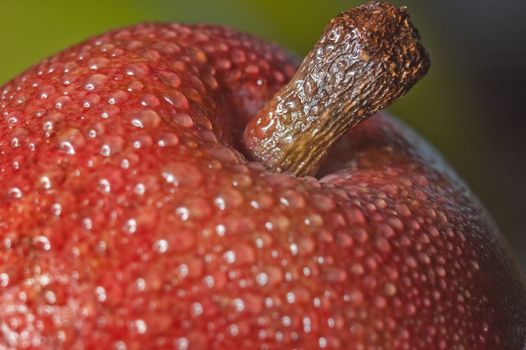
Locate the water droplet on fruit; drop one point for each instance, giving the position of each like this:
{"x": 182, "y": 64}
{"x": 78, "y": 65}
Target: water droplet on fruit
{"x": 46, "y": 91}
{"x": 170, "y": 79}
{"x": 87, "y": 223}
{"x": 238, "y": 56}
{"x": 197, "y": 309}
{"x": 198, "y": 55}
{"x": 291, "y": 297}
{"x": 183, "y": 213}
{"x": 15, "y": 193}
{"x": 130, "y": 227}
{"x": 56, "y": 209}
{"x": 137, "y": 70}
{"x": 145, "y": 118}
{"x": 181, "y": 174}
{"x": 223, "y": 64}
{"x": 183, "y": 120}
{"x": 70, "y": 140}
{"x": 239, "y": 304}
{"x": 139, "y": 326}
{"x": 111, "y": 145}
{"x": 104, "y": 186}
{"x": 182, "y": 344}
{"x": 150, "y": 100}
{"x": 4, "y": 280}
{"x": 62, "y": 101}
{"x": 168, "y": 139}
{"x": 274, "y": 274}
{"x": 230, "y": 257}
{"x": 50, "y": 297}
{"x": 306, "y": 246}
{"x": 45, "y": 182}
{"x": 334, "y": 274}
{"x": 293, "y": 199}
{"x": 176, "y": 99}
{"x": 152, "y": 55}
{"x": 135, "y": 86}
{"x": 117, "y": 97}
{"x": 223, "y": 154}
{"x": 262, "y": 279}
{"x": 42, "y": 242}
{"x": 390, "y": 289}
{"x": 15, "y": 142}
{"x": 120, "y": 345}
{"x": 324, "y": 203}
{"x": 95, "y": 82}
{"x": 161, "y": 246}
{"x": 91, "y": 100}
{"x": 97, "y": 63}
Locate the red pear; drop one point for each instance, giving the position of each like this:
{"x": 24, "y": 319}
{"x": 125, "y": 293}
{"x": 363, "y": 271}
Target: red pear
{"x": 171, "y": 186}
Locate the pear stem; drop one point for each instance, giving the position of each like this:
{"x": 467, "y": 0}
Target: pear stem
{"x": 366, "y": 58}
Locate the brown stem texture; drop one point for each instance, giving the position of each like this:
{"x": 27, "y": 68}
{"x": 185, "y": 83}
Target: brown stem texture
{"x": 366, "y": 58}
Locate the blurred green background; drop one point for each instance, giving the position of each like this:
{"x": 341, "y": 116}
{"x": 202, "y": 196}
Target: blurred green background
{"x": 471, "y": 106}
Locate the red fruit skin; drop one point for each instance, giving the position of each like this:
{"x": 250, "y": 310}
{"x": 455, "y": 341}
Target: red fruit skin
{"x": 128, "y": 220}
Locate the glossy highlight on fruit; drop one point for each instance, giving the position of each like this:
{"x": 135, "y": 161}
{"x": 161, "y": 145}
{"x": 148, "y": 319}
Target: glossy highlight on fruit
{"x": 130, "y": 218}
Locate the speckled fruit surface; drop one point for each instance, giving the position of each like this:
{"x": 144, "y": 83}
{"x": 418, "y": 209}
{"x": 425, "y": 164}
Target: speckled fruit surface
{"x": 129, "y": 220}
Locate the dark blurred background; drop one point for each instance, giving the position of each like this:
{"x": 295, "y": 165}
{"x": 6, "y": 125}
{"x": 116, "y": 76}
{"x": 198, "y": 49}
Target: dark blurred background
{"x": 472, "y": 105}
